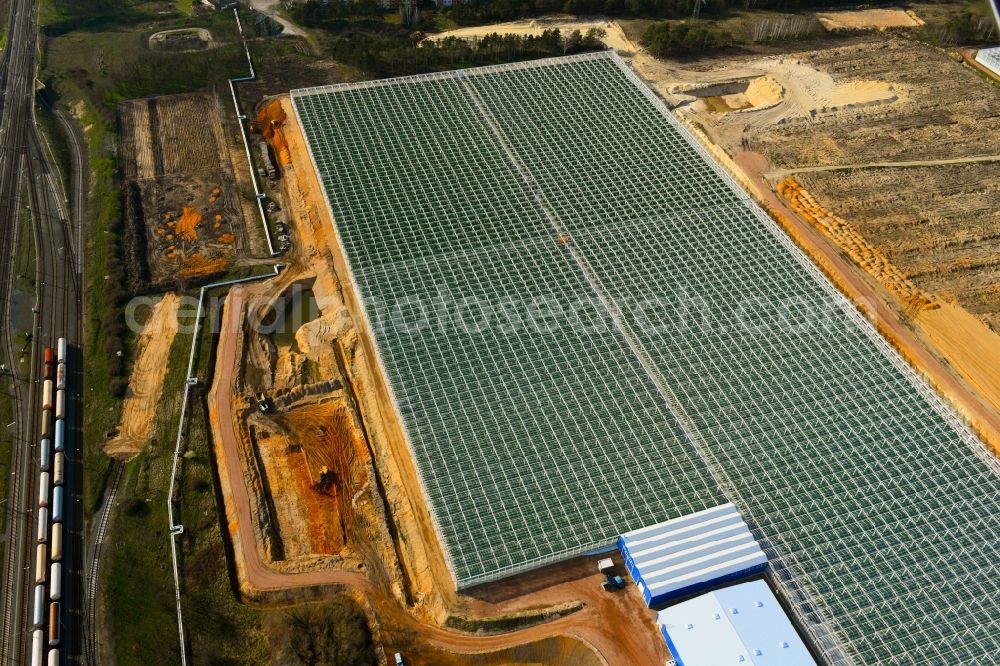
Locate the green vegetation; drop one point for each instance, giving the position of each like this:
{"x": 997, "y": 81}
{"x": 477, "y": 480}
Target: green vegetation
{"x": 679, "y": 38}
{"x": 333, "y": 633}
{"x": 309, "y": 371}
{"x": 139, "y": 588}
{"x": 489, "y": 11}
{"x": 674, "y": 38}
{"x": 964, "y": 24}
{"x": 380, "y": 48}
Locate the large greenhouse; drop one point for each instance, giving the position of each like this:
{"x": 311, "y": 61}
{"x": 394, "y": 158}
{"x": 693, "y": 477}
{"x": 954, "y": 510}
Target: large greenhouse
{"x": 990, "y": 59}
{"x": 588, "y": 328}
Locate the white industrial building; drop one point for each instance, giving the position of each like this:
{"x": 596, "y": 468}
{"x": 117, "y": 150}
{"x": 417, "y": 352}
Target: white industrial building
{"x": 741, "y": 624}
{"x": 690, "y": 553}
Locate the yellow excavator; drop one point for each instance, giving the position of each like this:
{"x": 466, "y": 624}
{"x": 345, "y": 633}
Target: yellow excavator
{"x": 327, "y": 480}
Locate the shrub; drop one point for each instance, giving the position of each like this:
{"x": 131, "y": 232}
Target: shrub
{"x": 334, "y": 633}
{"x": 118, "y": 387}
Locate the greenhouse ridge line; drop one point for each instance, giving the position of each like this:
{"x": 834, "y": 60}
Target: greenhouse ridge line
{"x": 836, "y": 414}
{"x": 825, "y": 640}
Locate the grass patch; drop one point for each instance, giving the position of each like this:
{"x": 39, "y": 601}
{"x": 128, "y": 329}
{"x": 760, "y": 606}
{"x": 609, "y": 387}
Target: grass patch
{"x": 139, "y": 588}
{"x": 103, "y": 210}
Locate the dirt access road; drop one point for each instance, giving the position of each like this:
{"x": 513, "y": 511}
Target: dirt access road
{"x": 612, "y": 624}
{"x": 267, "y": 7}
{"x": 778, "y": 174}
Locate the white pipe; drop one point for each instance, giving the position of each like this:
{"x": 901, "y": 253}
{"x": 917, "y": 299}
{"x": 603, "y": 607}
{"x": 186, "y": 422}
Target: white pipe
{"x": 257, "y": 192}
{"x": 176, "y": 529}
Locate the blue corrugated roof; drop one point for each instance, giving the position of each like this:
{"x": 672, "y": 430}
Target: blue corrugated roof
{"x": 741, "y": 624}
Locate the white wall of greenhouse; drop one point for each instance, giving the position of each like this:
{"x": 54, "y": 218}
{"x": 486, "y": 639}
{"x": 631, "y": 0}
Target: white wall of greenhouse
{"x": 990, "y": 59}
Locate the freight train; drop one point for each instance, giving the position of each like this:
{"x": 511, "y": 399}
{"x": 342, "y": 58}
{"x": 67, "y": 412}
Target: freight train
{"x": 51, "y": 479}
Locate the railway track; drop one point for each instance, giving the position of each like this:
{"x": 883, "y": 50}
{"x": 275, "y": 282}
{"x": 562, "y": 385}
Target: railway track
{"x": 91, "y": 644}
{"x": 26, "y": 176}
{"x": 21, "y": 434}
{"x": 16, "y": 80}
{"x": 59, "y": 297}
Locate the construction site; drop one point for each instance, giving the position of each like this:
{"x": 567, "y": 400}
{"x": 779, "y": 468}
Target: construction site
{"x": 184, "y": 219}
{"x": 460, "y": 478}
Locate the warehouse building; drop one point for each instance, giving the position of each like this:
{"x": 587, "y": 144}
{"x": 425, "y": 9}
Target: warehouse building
{"x": 691, "y": 553}
{"x": 741, "y": 624}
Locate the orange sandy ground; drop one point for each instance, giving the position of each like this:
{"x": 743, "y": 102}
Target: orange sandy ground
{"x": 187, "y": 225}
{"x": 270, "y": 120}
{"x": 198, "y": 265}
{"x": 146, "y": 381}
{"x": 328, "y": 438}
{"x": 864, "y": 254}
{"x": 322, "y": 512}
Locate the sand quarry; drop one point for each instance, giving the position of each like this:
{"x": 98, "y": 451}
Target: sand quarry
{"x": 614, "y": 36}
{"x": 869, "y": 19}
{"x": 146, "y": 381}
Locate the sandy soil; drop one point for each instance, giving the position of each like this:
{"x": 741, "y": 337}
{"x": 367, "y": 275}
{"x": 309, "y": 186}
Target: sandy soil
{"x": 788, "y": 85}
{"x": 814, "y": 91}
{"x": 614, "y": 36}
{"x": 944, "y": 111}
{"x": 617, "y": 627}
{"x": 868, "y": 19}
{"x": 430, "y": 582}
{"x": 969, "y": 345}
{"x": 146, "y": 382}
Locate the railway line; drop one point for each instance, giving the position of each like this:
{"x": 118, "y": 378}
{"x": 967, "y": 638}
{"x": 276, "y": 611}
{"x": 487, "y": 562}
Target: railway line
{"x": 91, "y": 643}
{"x": 29, "y": 186}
